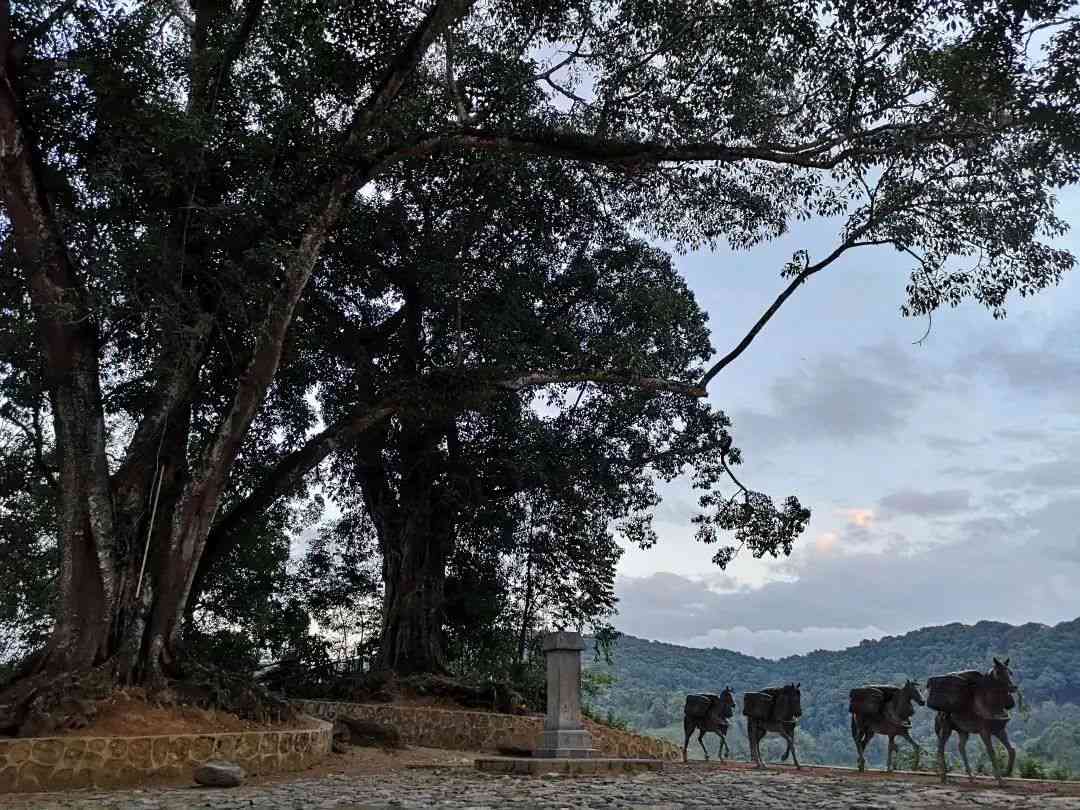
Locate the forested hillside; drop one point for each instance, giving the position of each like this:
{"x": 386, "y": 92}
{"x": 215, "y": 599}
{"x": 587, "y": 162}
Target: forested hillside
{"x": 651, "y": 680}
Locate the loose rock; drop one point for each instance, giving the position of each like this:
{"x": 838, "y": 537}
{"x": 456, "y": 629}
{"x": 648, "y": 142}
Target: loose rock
{"x": 219, "y": 774}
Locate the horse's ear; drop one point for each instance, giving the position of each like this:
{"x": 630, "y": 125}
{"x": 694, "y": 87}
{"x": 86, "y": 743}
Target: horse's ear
{"x": 997, "y": 663}
{"x": 798, "y": 684}
{"x": 1006, "y": 662}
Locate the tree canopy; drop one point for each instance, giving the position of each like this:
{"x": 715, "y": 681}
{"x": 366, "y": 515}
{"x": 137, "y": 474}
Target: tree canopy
{"x": 242, "y": 238}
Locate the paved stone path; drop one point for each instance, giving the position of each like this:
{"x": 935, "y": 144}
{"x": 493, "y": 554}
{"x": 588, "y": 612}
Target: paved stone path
{"x": 466, "y": 788}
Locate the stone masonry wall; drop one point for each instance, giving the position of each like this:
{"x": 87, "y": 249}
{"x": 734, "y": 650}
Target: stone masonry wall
{"x": 56, "y": 763}
{"x": 484, "y": 731}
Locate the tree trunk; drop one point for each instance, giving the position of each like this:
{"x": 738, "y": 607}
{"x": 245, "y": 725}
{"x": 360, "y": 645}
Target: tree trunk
{"x": 412, "y": 631}
{"x": 415, "y": 526}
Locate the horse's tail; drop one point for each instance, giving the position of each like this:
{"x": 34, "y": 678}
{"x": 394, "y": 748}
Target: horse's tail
{"x": 854, "y": 728}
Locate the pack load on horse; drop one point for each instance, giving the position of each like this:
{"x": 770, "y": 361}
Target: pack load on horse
{"x": 882, "y": 709}
{"x": 708, "y": 713}
{"x": 972, "y": 702}
{"x": 956, "y": 692}
{"x": 776, "y": 710}
{"x": 757, "y": 705}
{"x": 867, "y": 700}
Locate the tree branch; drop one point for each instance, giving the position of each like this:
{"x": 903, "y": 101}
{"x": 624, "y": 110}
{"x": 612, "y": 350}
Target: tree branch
{"x": 42, "y": 28}
{"x": 262, "y": 368}
{"x": 616, "y": 377}
{"x": 820, "y": 154}
{"x": 233, "y": 49}
{"x": 788, "y": 291}
{"x": 185, "y": 16}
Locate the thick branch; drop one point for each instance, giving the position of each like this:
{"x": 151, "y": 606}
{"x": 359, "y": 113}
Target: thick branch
{"x": 352, "y": 336}
{"x": 288, "y": 473}
{"x": 616, "y": 377}
{"x": 788, "y": 291}
{"x": 821, "y": 154}
{"x": 68, "y": 332}
{"x": 233, "y": 49}
{"x": 442, "y": 15}
{"x": 262, "y": 368}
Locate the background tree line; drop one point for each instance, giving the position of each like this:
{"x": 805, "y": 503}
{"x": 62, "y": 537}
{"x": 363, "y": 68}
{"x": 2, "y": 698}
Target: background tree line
{"x": 647, "y": 683}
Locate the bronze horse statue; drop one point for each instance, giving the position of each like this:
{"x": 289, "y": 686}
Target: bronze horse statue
{"x": 987, "y": 715}
{"x": 893, "y": 720}
{"x": 785, "y": 713}
{"x": 708, "y": 713}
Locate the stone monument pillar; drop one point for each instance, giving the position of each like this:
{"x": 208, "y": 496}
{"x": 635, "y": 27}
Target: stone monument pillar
{"x": 564, "y": 735}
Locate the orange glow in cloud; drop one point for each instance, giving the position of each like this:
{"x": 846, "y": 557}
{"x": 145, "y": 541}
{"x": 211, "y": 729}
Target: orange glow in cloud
{"x": 825, "y": 542}
{"x": 863, "y": 518}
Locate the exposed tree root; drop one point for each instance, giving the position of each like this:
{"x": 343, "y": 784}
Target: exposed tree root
{"x": 44, "y": 704}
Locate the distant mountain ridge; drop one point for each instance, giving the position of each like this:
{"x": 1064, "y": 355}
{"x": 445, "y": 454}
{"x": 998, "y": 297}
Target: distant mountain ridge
{"x": 652, "y": 678}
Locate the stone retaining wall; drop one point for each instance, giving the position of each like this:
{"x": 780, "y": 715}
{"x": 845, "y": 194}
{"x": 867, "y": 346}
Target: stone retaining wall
{"x": 484, "y": 731}
{"x": 56, "y": 763}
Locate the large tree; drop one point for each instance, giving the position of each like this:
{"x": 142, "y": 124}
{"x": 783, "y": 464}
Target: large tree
{"x": 172, "y": 174}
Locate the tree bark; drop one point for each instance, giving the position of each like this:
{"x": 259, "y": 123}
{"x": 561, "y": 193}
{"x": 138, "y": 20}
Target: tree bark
{"x": 414, "y": 576}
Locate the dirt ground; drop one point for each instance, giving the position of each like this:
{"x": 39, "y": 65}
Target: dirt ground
{"x": 127, "y": 713}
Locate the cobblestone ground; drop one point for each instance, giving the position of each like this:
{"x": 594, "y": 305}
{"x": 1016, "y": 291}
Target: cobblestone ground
{"x": 465, "y": 788}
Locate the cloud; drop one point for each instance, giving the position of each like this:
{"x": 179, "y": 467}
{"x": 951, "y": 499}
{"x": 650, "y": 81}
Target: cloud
{"x": 1032, "y": 369}
{"x": 927, "y": 504}
{"x": 950, "y": 444}
{"x": 782, "y": 643}
{"x": 826, "y": 542}
{"x": 864, "y": 518}
{"x": 839, "y": 399}
{"x": 1058, "y": 474}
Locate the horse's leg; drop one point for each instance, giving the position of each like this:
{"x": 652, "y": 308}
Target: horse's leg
{"x": 701, "y": 742}
{"x": 962, "y": 736}
{"x": 857, "y": 735}
{"x": 890, "y": 754}
{"x": 988, "y": 741}
{"x": 688, "y": 727}
{"x": 723, "y": 746}
{"x": 944, "y": 730}
{"x": 791, "y": 746}
{"x": 759, "y": 734}
{"x": 864, "y": 741}
{"x": 1003, "y": 735}
{"x": 907, "y": 736}
{"x": 787, "y": 752}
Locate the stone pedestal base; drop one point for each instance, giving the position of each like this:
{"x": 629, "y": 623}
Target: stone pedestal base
{"x": 564, "y": 744}
{"x": 533, "y": 766}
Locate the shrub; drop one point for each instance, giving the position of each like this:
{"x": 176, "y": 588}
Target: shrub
{"x": 1031, "y": 768}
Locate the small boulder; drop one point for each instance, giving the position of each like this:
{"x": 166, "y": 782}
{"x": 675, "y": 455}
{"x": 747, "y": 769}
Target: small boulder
{"x": 339, "y": 747}
{"x": 219, "y": 774}
{"x": 366, "y": 732}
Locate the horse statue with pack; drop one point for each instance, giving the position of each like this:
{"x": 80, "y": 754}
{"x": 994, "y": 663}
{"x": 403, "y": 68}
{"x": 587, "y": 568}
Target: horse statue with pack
{"x": 972, "y": 702}
{"x": 883, "y": 709}
{"x": 706, "y": 713}
{"x": 776, "y": 710}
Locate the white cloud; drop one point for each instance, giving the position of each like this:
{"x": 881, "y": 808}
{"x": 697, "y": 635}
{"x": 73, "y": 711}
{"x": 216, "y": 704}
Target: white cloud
{"x": 782, "y": 643}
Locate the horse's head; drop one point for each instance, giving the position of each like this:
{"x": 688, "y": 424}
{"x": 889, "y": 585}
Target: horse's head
{"x": 911, "y": 692}
{"x": 1002, "y": 675}
{"x": 790, "y": 701}
{"x": 727, "y": 702}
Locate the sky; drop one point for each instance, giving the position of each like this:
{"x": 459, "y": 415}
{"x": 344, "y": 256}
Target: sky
{"x": 941, "y": 475}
